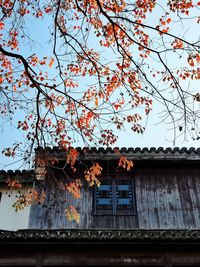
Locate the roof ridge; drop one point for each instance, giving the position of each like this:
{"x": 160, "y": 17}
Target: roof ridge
{"x": 126, "y": 149}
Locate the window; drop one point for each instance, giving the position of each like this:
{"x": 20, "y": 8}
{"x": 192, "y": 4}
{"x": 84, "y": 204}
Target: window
{"x": 115, "y": 197}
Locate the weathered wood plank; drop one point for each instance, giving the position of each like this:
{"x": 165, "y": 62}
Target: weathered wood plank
{"x": 171, "y": 198}
{"x": 186, "y": 202}
{"x": 142, "y": 202}
{"x": 194, "y": 187}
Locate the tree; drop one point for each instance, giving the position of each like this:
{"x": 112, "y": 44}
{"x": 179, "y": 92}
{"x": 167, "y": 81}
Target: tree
{"x": 105, "y": 63}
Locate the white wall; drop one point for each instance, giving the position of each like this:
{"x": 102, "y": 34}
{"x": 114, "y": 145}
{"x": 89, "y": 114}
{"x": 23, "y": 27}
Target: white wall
{"x": 9, "y": 218}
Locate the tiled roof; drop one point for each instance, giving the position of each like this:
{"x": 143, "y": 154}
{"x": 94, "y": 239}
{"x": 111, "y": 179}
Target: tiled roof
{"x": 87, "y": 235}
{"x": 136, "y": 153}
{"x": 131, "y": 149}
{"x": 23, "y": 176}
{"x": 93, "y": 153}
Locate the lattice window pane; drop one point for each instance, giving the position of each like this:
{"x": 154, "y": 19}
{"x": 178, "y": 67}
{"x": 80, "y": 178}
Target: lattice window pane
{"x": 124, "y": 195}
{"x": 104, "y": 198}
{"x": 115, "y": 196}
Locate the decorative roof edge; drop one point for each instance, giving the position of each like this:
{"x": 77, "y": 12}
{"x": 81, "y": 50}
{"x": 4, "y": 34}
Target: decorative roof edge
{"x": 88, "y": 153}
{"x": 98, "y": 235}
{"x": 128, "y": 149}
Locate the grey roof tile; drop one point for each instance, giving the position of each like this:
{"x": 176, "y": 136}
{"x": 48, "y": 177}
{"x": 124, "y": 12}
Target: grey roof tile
{"x": 103, "y": 234}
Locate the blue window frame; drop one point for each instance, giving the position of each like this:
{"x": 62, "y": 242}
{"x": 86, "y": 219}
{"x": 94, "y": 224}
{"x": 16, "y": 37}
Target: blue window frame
{"x": 115, "y": 197}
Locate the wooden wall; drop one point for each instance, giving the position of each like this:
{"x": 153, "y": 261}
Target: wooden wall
{"x": 167, "y": 198}
{"x": 52, "y": 253}
{"x": 51, "y": 215}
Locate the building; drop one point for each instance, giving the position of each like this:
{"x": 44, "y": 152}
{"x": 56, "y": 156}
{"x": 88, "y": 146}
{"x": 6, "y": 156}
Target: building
{"x": 9, "y": 218}
{"x": 149, "y": 216}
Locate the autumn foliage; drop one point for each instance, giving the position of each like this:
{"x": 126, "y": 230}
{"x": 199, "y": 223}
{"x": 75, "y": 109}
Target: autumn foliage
{"x": 104, "y": 65}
